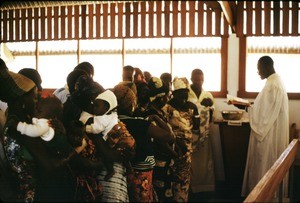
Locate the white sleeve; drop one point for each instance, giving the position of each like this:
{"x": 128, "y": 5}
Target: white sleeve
{"x": 96, "y": 127}
{"x": 265, "y": 111}
{"x": 37, "y": 129}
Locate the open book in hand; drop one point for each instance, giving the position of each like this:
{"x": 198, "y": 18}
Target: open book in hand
{"x": 237, "y": 101}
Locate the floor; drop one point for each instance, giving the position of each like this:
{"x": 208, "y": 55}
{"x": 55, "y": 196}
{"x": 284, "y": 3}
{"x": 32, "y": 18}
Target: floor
{"x": 294, "y": 193}
{"x": 225, "y": 194}
{"x": 221, "y": 194}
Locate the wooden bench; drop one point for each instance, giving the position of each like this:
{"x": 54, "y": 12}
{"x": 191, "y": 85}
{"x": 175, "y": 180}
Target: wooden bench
{"x": 265, "y": 189}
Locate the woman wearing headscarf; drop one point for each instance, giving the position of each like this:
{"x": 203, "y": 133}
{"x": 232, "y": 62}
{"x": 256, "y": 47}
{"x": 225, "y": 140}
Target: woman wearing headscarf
{"x": 163, "y": 151}
{"x": 20, "y": 94}
{"x": 114, "y": 189}
{"x": 183, "y": 116}
{"x": 24, "y": 154}
{"x": 29, "y": 157}
{"x": 71, "y": 109}
{"x": 63, "y": 93}
{"x": 140, "y": 179}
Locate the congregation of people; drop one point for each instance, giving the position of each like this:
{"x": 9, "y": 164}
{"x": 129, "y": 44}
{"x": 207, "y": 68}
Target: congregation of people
{"x": 144, "y": 140}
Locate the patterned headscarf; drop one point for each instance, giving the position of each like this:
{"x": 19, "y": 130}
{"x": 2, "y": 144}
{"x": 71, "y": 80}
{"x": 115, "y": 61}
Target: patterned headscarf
{"x": 127, "y": 99}
{"x": 157, "y": 88}
{"x": 180, "y": 83}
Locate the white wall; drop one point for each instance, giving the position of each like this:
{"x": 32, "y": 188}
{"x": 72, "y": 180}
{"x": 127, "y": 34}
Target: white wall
{"x": 232, "y": 87}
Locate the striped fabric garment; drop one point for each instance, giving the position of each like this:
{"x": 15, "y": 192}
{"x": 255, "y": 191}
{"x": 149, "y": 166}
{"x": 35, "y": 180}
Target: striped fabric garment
{"x": 149, "y": 163}
{"x": 115, "y": 189}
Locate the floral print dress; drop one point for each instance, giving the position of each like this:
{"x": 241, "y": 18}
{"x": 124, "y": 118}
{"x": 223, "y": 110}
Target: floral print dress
{"x": 89, "y": 189}
{"x": 182, "y": 124}
{"x": 22, "y": 168}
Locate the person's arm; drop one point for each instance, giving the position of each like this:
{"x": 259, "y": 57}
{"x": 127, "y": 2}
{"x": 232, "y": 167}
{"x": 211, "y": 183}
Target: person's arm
{"x": 160, "y": 134}
{"x": 154, "y": 119}
{"x": 196, "y": 116}
{"x": 34, "y": 130}
{"x": 96, "y": 127}
{"x": 164, "y": 137}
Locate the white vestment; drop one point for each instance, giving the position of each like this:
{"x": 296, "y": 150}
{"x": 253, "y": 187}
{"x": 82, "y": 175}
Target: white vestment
{"x": 269, "y": 137}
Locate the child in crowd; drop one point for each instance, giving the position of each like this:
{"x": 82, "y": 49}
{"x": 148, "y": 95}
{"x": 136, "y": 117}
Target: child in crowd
{"x": 106, "y": 122}
{"x": 88, "y": 189}
{"x": 47, "y": 125}
{"x": 48, "y": 108}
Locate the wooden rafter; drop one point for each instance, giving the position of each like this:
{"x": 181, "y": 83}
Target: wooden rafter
{"x": 229, "y": 11}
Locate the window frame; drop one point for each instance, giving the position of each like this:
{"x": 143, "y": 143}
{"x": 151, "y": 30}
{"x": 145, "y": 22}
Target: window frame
{"x": 242, "y": 74}
{"x": 224, "y": 67}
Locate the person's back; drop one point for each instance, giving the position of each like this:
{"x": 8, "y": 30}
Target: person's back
{"x": 143, "y": 132}
{"x": 128, "y": 78}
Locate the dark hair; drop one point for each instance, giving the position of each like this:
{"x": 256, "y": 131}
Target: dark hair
{"x": 267, "y": 65}
{"x": 166, "y": 76}
{"x": 128, "y": 72}
{"x": 3, "y": 65}
{"x": 72, "y": 78}
{"x": 266, "y": 61}
{"x": 86, "y": 66}
{"x": 54, "y": 106}
{"x": 197, "y": 71}
{"x": 128, "y": 68}
{"x": 86, "y": 91}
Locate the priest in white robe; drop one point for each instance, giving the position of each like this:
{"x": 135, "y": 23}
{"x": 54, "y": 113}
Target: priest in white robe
{"x": 269, "y": 122}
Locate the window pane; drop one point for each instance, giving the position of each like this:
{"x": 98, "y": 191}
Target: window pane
{"x": 54, "y": 69}
{"x": 192, "y": 43}
{"x": 21, "y": 46}
{"x": 63, "y": 46}
{"x": 96, "y": 45}
{"x": 203, "y": 53}
{"x": 151, "y": 55}
{"x": 281, "y": 63}
{"x": 156, "y": 64}
{"x": 210, "y": 64}
{"x": 106, "y": 57}
{"x": 285, "y": 53}
{"x": 56, "y": 60}
{"x": 20, "y": 62}
{"x": 147, "y": 43}
{"x": 18, "y": 55}
{"x": 108, "y": 68}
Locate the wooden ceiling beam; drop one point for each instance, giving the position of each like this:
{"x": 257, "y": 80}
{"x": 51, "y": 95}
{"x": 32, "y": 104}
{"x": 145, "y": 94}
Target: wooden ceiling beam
{"x": 229, "y": 11}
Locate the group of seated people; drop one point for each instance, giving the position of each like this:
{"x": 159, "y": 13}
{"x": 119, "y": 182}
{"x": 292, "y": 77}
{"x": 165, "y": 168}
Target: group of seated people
{"x": 84, "y": 143}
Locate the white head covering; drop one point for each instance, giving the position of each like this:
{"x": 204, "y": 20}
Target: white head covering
{"x": 110, "y": 97}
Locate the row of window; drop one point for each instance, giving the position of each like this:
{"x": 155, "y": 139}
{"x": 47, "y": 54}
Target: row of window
{"x": 178, "y": 56}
